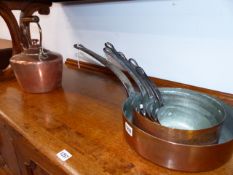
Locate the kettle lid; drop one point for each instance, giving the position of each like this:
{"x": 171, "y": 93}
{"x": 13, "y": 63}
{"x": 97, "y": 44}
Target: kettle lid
{"x": 35, "y": 55}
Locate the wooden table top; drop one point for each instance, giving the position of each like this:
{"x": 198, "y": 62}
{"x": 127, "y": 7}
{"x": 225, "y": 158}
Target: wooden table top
{"x": 83, "y": 117}
{"x": 5, "y": 44}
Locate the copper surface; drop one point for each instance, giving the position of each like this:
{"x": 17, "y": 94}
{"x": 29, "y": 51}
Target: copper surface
{"x": 38, "y": 76}
{"x": 200, "y": 136}
{"x": 176, "y": 156}
{"x": 192, "y": 137}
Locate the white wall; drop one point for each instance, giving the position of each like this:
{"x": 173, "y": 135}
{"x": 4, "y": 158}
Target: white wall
{"x": 189, "y": 41}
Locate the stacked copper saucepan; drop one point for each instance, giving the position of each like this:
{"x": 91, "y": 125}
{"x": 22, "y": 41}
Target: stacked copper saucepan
{"x": 176, "y": 128}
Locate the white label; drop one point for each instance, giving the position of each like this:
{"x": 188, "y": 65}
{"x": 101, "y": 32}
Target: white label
{"x": 128, "y": 129}
{"x": 141, "y": 106}
{"x": 64, "y": 155}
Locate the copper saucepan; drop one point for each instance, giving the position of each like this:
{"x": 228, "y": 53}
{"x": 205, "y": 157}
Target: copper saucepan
{"x": 197, "y": 120}
{"x": 186, "y": 116}
{"x": 177, "y": 156}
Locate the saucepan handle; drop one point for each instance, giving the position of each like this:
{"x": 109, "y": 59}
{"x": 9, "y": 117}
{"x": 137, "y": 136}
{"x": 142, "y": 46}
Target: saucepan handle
{"x": 122, "y": 77}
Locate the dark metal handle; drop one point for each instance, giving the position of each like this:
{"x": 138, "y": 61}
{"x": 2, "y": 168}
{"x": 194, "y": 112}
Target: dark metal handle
{"x": 123, "y": 78}
{"x": 144, "y": 89}
{"x": 152, "y": 88}
{"x": 120, "y": 58}
{"x": 30, "y": 19}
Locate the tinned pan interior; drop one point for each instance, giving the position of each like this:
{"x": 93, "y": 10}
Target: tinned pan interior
{"x": 194, "y": 110}
{"x": 203, "y": 119}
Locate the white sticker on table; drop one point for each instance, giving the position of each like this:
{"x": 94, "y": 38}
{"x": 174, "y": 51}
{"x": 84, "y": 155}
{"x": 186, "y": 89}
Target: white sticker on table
{"x": 128, "y": 129}
{"x": 64, "y": 155}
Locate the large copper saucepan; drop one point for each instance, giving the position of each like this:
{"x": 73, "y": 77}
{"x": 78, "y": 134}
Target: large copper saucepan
{"x": 177, "y": 156}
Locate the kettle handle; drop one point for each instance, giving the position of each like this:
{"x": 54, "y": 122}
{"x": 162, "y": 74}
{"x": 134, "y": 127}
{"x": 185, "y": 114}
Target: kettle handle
{"x": 33, "y": 43}
{"x": 32, "y": 19}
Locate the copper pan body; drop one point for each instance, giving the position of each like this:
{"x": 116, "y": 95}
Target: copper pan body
{"x": 191, "y": 137}
{"x": 191, "y": 99}
{"x": 177, "y": 156}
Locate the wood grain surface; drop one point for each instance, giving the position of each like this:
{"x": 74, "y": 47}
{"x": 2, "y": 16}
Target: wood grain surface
{"x": 83, "y": 117}
{"x": 5, "y": 44}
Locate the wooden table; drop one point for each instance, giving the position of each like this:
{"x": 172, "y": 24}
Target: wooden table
{"x": 83, "y": 117}
{"x": 5, "y": 44}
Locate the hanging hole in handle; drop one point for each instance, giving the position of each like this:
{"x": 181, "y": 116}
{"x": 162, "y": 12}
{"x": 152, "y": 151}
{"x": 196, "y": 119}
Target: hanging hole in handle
{"x": 111, "y": 49}
{"x": 110, "y": 46}
{"x": 76, "y": 46}
{"x": 79, "y": 46}
{"x": 133, "y": 62}
{"x": 108, "y": 51}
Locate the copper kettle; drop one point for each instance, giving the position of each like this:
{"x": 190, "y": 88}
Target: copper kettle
{"x": 37, "y": 70}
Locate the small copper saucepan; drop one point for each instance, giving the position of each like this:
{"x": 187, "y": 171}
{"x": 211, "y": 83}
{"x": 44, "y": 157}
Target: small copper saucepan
{"x": 187, "y": 117}
{"x": 177, "y": 156}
